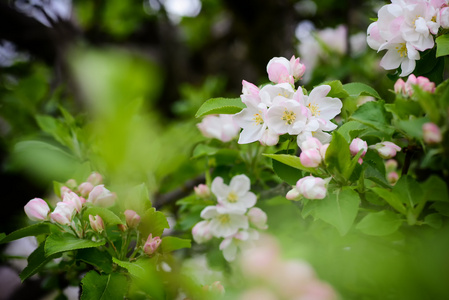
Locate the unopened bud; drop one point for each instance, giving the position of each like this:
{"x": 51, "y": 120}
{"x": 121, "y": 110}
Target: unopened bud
{"x": 37, "y": 209}
{"x": 151, "y": 244}
{"x": 293, "y": 194}
{"x": 96, "y": 223}
{"x": 431, "y": 133}
{"x": 202, "y": 191}
{"x": 132, "y": 218}
{"x": 85, "y": 188}
{"x": 95, "y": 178}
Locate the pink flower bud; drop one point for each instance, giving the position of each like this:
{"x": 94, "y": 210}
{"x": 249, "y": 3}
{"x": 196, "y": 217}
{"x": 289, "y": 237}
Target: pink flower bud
{"x": 71, "y": 183}
{"x": 96, "y": 223}
{"x": 221, "y": 127}
{"x": 425, "y": 84}
{"x": 202, "y": 191}
{"x": 85, "y": 188}
{"x": 37, "y": 210}
{"x": 386, "y": 150}
{"x": 431, "y": 133}
{"x": 132, "y": 218}
{"x": 249, "y": 88}
{"x": 297, "y": 69}
{"x": 201, "y": 232}
{"x": 100, "y": 196}
{"x": 443, "y": 17}
{"x": 279, "y": 70}
{"x": 391, "y": 165}
{"x": 64, "y": 190}
{"x": 293, "y": 194}
{"x": 63, "y": 213}
{"x": 312, "y": 187}
{"x": 358, "y": 144}
{"x": 399, "y": 86}
{"x": 122, "y": 227}
{"x": 258, "y": 217}
{"x": 151, "y": 244}
{"x": 95, "y": 178}
{"x": 73, "y": 200}
{"x": 310, "y": 158}
{"x": 392, "y": 177}
{"x": 311, "y": 143}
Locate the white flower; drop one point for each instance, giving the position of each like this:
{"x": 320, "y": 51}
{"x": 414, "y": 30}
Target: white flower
{"x": 221, "y": 127}
{"x": 235, "y": 196}
{"x": 201, "y": 232}
{"x": 224, "y": 222}
{"x": 320, "y": 106}
{"x": 399, "y": 53}
{"x": 63, "y": 213}
{"x": 312, "y": 187}
{"x": 269, "y": 92}
{"x": 230, "y": 244}
{"x": 252, "y": 120}
{"x": 415, "y": 29}
{"x": 286, "y": 116}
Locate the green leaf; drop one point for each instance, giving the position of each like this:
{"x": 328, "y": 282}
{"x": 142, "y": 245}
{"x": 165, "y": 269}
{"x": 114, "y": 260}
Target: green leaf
{"x": 380, "y": 223}
{"x": 338, "y": 155}
{"x": 374, "y": 114}
{"x": 403, "y": 108}
{"x": 171, "y": 243}
{"x": 356, "y": 89}
{"x": 145, "y": 276}
{"x": 112, "y": 286}
{"x": 434, "y": 220}
{"x": 33, "y": 230}
{"x": 153, "y": 222}
{"x": 61, "y": 242}
{"x": 286, "y": 173}
{"x": 99, "y": 259}
{"x": 408, "y": 190}
{"x": 203, "y": 150}
{"x": 391, "y": 198}
{"x": 36, "y": 261}
{"x": 413, "y": 127}
{"x": 107, "y": 215}
{"x": 435, "y": 189}
{"x": 56, "y": 128}
{"x": 338, "y": 209}
{"x": 290, "y": 160}
{"x": 220, "y": 106}
{"x": 337, "y": 90}
{"x": 442, "y": 45}
{"x": 137, "y": 199}
{"x": 351, "y": 129}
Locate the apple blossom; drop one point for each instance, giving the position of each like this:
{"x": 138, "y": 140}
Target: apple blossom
{"x": 269, "y": 138}
{"x": 132, "y": 218}
{"x": 202, "y": 191}
{"x": 73, "y": 200}
{"x": 64, "y": 190}
{"x": 37, "y": 210}
{"x": 443, "y": 17}
{"x": 312, "y": 187}
{"x": 399, "y": 87}
{"x": 224, "y": 221}
{"x": 399, "y": 53}
{"x": 310, "y": 158}
{"x": 100, "y": 196}
{"x": 357, "y": 145}
{"x": 249, "y": 89}
{"x": 95, "y": 178}
{"x": 392, "y": 177}
{"x": 151, "y": 244}
{"x": 269, "y": 92}
{"x": 96, "y": 222}
{"x": 293, "y": 194}
{"x": 431, "y": 133}
{"x": 85, "y": 188}
{"x": 252, "y": 120}
{"x": 286, "y": 116}
{"x": 235, "y": 196}
{"x": 63, "y": 213}
{"x": 201, "y": 232}
{"x": 230, "y": 244}
{"x": 386, "y": 149}
{"x": 257, "y": 217}
{"x": 320, "y": 105}
{"x": 281, "y": 70}
{"x": 391, "y": 165}
{"x": 221, "y": 127}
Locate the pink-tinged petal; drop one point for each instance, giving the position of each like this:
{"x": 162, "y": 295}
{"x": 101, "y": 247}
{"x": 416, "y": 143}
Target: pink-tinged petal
{"x": 407, "y": 67}
{"x": 319, "y": 92}
{"x": 209, "y": 212}
{"x": 248, "y": 200}
{"x": 277, "y": 73}
{"x": 329, "y": 107}
{"x": 391, "y": 60}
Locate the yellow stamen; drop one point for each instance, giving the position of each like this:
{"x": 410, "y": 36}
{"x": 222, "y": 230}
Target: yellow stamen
{"x": 314, "y": 109}
{"x": 224, "y": 219}
{"x": 258, "y": 118}
{"x": 402, "y": 50}
{"x": 232, "y": 197}
{"x": 289, "y": 117}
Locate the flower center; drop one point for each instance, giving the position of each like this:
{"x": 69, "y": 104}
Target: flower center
{"x": 314, "y": 109}
{"x": 224, "y": 219}
{"x": 402, "y": 50}
{"x": 258, "y": 119}
{"x": 414, "y": 21}
{"x": 232, "y": 197}
{"x": 289, "y": 117}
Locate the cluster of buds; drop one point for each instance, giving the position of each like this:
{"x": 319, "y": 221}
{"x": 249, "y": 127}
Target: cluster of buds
{"x": 231, "y": 217}
{"x": 405, "y": 88}
{"x": 313, "y": 152}
{"x": 73, "y": 201}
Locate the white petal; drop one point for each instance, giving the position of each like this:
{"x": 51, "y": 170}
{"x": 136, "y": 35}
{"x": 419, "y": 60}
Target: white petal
{"x": 219, "y": 189}
{"x": 319, "y": 92}
{"x": 240, "y": 184}
{"x": 248, "y": 200}
{"x": 209, "y": 212}
{"x": 391, "y": 60}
